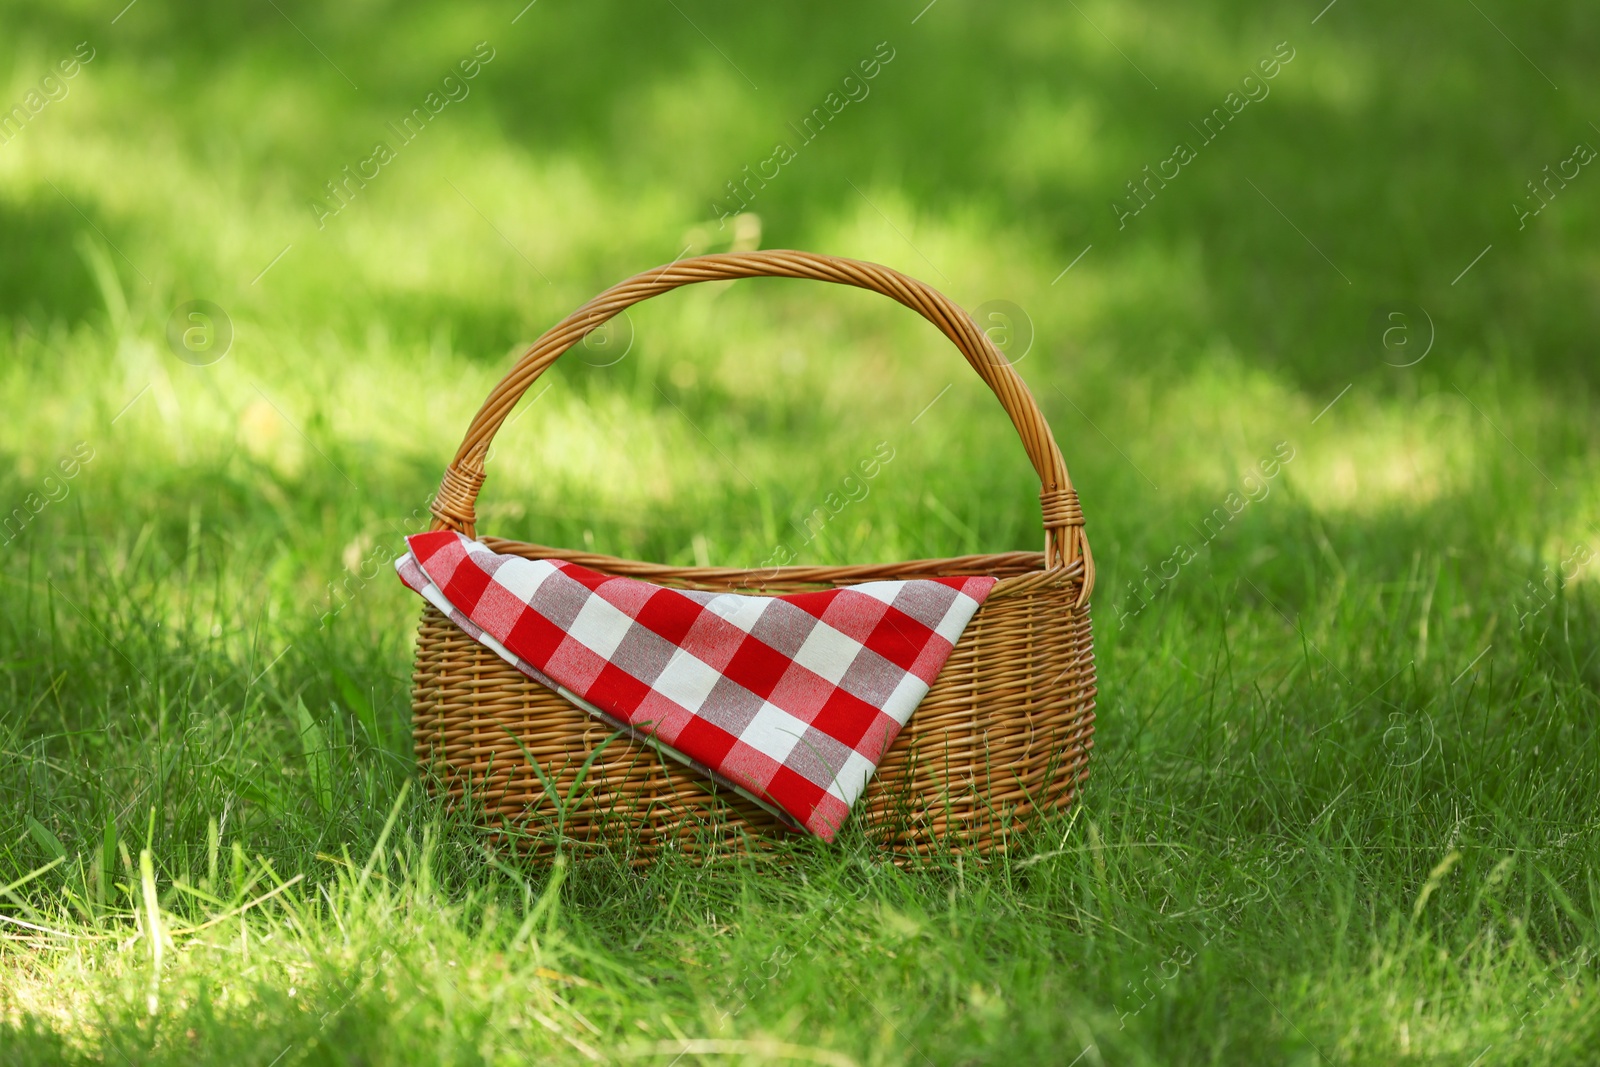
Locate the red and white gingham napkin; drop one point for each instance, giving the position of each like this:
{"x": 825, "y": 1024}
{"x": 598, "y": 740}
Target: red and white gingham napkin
{"x": 792, "y": 700}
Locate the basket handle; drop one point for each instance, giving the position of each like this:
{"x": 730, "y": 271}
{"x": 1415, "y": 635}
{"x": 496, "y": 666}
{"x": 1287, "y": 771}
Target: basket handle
{"x": 1065, "y": 543}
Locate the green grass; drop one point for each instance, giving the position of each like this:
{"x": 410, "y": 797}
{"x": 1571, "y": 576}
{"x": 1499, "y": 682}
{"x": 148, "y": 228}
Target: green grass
{"x": 1342, "y": 806}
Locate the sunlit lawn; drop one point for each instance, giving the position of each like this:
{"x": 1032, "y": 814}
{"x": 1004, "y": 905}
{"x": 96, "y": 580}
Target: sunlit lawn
{"x": 1342, "y": 806}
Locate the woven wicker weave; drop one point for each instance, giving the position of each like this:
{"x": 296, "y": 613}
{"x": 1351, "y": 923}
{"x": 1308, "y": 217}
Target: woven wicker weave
{"x": 1004, "y": 732}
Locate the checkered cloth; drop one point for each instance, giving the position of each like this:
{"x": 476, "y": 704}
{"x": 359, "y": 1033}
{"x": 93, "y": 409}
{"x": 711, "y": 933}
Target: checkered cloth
{"x": 791, "y": 700}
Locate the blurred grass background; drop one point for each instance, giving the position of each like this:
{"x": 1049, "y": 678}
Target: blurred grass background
{"x": 1346, "y": 758}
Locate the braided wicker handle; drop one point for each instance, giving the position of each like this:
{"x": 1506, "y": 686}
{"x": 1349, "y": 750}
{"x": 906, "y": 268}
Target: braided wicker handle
{"x": 1063, "y": 519}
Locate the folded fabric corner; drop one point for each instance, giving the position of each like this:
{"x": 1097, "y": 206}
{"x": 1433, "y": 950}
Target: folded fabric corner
{"x": 791, "y": 700}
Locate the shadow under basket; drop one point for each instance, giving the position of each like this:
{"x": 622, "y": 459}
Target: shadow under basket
{"x": 1003, "y": 735}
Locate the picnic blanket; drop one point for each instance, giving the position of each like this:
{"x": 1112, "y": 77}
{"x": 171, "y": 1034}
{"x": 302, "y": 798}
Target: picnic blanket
{"x": 791, "y": 700}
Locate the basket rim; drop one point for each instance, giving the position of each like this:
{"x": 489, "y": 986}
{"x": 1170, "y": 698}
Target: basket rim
{"x": 1014, "y": 570}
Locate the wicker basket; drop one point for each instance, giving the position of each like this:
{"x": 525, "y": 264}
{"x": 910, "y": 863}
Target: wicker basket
{"x": 1004, "y": 732}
